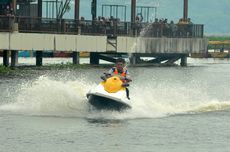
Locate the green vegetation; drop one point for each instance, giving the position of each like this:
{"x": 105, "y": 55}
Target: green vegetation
{"x": 219, "y": 38}
{"x": 4, "y": 69}
{"x": 218, "y": 45}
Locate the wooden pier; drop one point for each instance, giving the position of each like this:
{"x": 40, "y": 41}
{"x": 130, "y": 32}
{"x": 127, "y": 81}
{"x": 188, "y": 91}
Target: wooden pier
{"x": 104, "y": 39}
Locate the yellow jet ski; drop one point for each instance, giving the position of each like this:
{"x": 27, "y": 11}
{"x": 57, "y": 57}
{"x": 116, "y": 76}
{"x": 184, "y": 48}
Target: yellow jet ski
{"x": 109, "y": 95}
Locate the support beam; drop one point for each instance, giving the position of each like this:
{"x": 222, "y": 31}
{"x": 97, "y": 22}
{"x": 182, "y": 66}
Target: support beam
{"x": 14, "y": 58}
{"x": 39, "y": 14}
{"x": 133, "y": 16}
{"x": 6, "y": 54}
{"x": 94, "y": 9}
{"x": 185, "y": 16}
{"x": 39, "y": 8}
{"x": 159, "y": 59}
{"x": 171, "y": 61}
{"x": 14, "y": 6}
{"x": 77, "y": 10}
{"x": 94, "y": 58}
{"x": 108, "y": 58}
{"x": 133, "y": 10}
{"x": 134, "y": 59}
{"x": 183, "y": 61}
{"x": 39, "y": 55}
{"x": 12, "y": 19}
{"x": 76, "y": 56}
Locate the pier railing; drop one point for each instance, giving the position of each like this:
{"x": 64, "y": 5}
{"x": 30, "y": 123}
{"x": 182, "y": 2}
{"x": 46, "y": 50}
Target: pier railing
{"x": 99, "y": 27}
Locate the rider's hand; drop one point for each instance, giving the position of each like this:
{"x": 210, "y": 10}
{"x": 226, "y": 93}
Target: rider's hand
{"x": 122, "y": 78}
{"x": 107, "y": 75}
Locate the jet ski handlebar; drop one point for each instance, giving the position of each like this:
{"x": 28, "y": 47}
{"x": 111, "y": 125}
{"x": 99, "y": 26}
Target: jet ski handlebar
{"x": 107, "y": 75}
{"x": 126, "y": 79}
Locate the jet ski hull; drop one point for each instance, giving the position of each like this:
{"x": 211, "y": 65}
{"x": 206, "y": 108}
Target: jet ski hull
{"x": 101, "y": 102}
{"x": 109, "y": 95}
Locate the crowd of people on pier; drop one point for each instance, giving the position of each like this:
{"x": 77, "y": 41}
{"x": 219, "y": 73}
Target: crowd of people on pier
{"x": 6, "y": 10}
{"x": 114, "y": 26}
{"x": 100, "y": 24}
{"x": 158, "y": 28}
{"x": 6, "y": 16}
{"x": 163, "y": 28}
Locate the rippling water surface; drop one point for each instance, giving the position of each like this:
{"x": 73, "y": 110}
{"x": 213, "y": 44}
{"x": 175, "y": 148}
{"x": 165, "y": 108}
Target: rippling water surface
{"x": 173, "y": 109}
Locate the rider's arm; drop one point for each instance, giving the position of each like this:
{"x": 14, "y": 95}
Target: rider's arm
{"x": 111, "y": 71}
{"x": 107, "y": 75}
{"x": 128, "y": 76}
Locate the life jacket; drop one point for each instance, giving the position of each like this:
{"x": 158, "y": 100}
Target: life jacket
{"x": 115, "y": 71}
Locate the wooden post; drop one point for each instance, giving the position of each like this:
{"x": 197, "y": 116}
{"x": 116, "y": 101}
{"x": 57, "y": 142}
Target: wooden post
{"x": 39, "y": 55}
{"x": 14, "y": 58}
{"x": 6, "y": 54}
{"x": 133, "y": 10}
{"x": 183, "y": 61}
{"x": 94, "y": 58}
{"x": 39, "y": 8}
{"x": 185, "y": 16}
{"x": 133, "y": 16}
{"x": 94, "y": 9}
{"x": 77, "y": 9}
{"x": 76, "y": 56}
{"x": 133, "y": 59}
{"x": 77, "y": 16}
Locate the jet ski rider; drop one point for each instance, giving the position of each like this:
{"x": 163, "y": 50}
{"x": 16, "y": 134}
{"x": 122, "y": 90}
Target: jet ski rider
{"x": 121, "y": 71}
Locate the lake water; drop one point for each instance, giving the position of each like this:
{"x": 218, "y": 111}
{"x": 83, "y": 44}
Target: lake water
{"x": 173, "y": 109}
